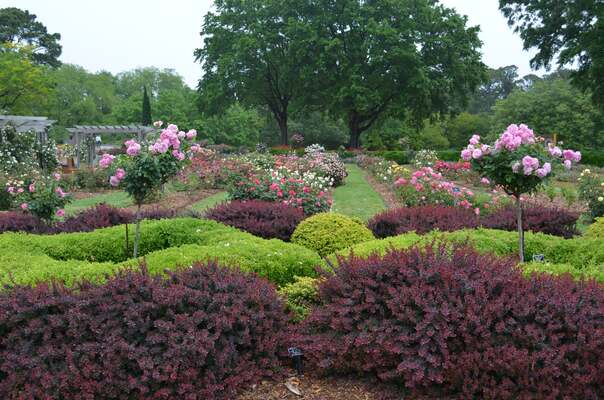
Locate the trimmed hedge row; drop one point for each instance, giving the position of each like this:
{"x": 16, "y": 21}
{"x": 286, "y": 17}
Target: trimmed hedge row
{"x": 580, "y": 257}
{"x": 28, "y": 259}
{"x": 195, "y": 335}
{"x": 593, "y": 157}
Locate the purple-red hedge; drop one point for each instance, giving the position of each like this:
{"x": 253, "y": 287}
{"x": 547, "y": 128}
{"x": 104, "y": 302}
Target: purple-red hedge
{"x": 422, "y": 219}
{"x": 199, "y": 334}
{"x": 99, "y": 216}
{"x": 262, "y": 218}
{"x": 446, "y": 321}
{"x": 553, "y": 221}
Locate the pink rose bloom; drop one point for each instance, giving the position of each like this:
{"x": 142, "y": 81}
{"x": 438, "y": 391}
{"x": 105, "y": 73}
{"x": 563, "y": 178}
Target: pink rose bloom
{"x": 530, "y": 164}
{"x": 20, "y": 190}
{"x": 32, "y": 188}
{"x": 400, "y": 182}
{"x": 120, "y": 173}
{"x": 474, "y": 140}
{"x": 60, "y": 213}
{"x": 195, "y": 148}
{"x": 24, "y": 206}
{"x": 181, "y": 135}
{"x": 466, "y": 154}
{"x": 114, "y": 181}
{"x": 568, "y": 164}
{"x": 106, "y": 160}
{"x": 555, "y": 151}
{"x": 172, "y": 128}
{"x": 516, "y": 167}
{"x": 60, "y": 192}
{"x": 541, "y": 173}
{"x": 547, "y": 167}
{"x": 485, "y": 181}
{"x": 274, "y": 186}
{"x": 178, "y": 155}
{"x": 477, "y": 211}
{"x": 476, "y": 154}
{"x": 158, "y": 124}
{"x": 191, "y": 134}
{"x": 572, "y": 155}
{"x": 57, "y": 176}
{"x": 162, "y": 147}
{"x": 134, "y": 149}
{"x": 10, "y": 189}
{"x": 129, "y": 142}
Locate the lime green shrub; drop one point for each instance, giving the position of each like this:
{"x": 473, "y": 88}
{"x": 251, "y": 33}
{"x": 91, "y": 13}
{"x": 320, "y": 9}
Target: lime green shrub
{"x": 165, "y": 244}
{"x": 300, "y": 296}
{"x": 596, "y": 230}
{"x": 329, "y": 232}
{"x": 582, "y": 256}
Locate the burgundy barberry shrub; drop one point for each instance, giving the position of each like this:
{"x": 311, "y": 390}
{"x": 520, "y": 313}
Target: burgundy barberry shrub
{"x": 198, "y": 334}
{"x": 15, "y": 221}
{"x": 446, "y": 321}
{"x": 553, "y": 221}
{"x": 421, "y": 219}
{"x": 262, "y": 218}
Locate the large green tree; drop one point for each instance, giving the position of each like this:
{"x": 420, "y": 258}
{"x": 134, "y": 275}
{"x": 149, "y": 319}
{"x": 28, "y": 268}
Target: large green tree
{"x": 568, "y": 32}
{"x": 411, "y": 57}
{"x": 260, "y": 53}
{"x": 500, "y": 83}
{"x": 24, "y": 86}
{"x": 20, "y": 27}
{"x": 553, "y": 106}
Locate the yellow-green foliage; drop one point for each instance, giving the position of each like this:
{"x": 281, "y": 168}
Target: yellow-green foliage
{"x": 300, "y": 296}
{"x": 326, "y": 233}
{"x": 596, "y": 230}
{"x": 28, "y": 259}
{"x": 580, "y": 257}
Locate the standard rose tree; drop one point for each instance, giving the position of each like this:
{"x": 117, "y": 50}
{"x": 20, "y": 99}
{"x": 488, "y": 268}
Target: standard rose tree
{"x": 148, "y": 166}
{"x": 519, "y": 162}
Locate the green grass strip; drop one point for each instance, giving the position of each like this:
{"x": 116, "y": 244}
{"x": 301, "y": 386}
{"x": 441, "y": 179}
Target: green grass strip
{"x": 356, "y": 198}
{"x": 118, "y": 199}
{"x": 209, "y": 202}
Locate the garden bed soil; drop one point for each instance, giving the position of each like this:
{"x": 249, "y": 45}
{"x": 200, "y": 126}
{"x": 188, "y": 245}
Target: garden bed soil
{"x": 383, "y": 190}
{"x": 321, "y": 388}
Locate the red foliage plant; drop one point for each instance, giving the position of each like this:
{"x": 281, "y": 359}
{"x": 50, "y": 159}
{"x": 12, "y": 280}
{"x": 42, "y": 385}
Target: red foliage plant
{"x": 198, "y": 334}
{"x": 421, "y": 219}
{"x": 447, "y": 321}
{"x": 266, "y": 219}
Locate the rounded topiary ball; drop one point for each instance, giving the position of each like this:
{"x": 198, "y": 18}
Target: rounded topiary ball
{"x": 596, "y": 230}
{"x": 327, "y": 233}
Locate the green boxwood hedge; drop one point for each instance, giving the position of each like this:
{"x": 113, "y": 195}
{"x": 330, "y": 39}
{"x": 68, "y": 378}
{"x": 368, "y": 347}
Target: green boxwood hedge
{"x": 579, "y": 257}
{"x": 27, "y": 259}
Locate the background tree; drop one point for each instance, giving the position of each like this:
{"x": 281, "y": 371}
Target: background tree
{"x": 570, "y": 32}
{"x": 553, "y": 105}
{"x": 259, "y": 53}
{"x": 395, "y": 58}
{"x": 20, "y": 27}
{"x": 500, "y": 83}
{"x": 237, "y": 126}
{"x": 147, "y": 119}
{"x": 24, "y": 86}
{"x": 459, "y": 128}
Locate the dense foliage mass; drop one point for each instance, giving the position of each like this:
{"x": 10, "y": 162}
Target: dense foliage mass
{"x": 261, "y": 218}
{"x": 200, "y": 333}
{"x": 452, "y": 322}
{"x": 326, "y": 233}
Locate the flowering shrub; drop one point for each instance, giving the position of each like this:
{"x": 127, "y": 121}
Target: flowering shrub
{"x": 591, "y": 191}
{"x": 422, "y": 219}
{"x": 519, "y": 162}
{"x": 453, "y": 170}
{"x": 327, "y": 233}
{"x": 425, "y": 186}
{"x": 22, "y": 152}
{"x": 425, "y": 158}
{"x": 297, "y": 139}
{"x": 42, "y": 197}
{"x": 145, "y": 169}
{"x": 328, "y": 165}
{"x": 201, "y": 333}
{"x": 314, "y": 149}
{"x": 448, "y": 322}
{"x": 262, "y": 218}
{"x": 215, "y": 170}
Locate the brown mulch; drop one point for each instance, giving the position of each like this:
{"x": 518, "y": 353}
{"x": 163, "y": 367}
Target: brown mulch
{"x": 383, "y": 190}
{"x": 321, "y": 388}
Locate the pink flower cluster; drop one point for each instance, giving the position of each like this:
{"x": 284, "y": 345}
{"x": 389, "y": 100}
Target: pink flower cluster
{"x": 515, "y": 136}
{"x": 115, "y": 180}
{"x": 475, "y": 150}
{"x": 132, "y": 147}
{"x": 106, "y": 160}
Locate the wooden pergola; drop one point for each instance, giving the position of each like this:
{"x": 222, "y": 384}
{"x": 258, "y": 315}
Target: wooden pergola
{"x": 39, "y": 125}
{"x": 82, "y": 131}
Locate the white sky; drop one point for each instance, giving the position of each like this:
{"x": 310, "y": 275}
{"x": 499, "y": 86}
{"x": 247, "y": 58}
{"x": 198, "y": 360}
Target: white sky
{"x": 117, "y": 35}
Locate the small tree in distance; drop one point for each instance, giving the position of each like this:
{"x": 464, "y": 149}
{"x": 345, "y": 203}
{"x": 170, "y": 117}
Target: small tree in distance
{"x": 146, "y": 120}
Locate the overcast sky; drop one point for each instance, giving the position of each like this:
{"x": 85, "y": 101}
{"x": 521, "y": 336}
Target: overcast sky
{"x": 117, "y": 35}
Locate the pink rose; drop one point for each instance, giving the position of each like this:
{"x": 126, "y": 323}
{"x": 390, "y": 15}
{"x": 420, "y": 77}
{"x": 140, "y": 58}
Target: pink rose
{"x": 114, "y": 181}
{"x": 466, "y": 154}
{"x": 106, "y": 160}
{"x": 133, "y": 149}
{"x": 24, "y": 206}
{"x": 476, "y": 154}
{"x": 541, "y": 172}
{"x": 568, "y": 164}
{"x": 181, "y": 135}
{"x": 32, "y": 188}
{"x": 191, "y": 134}
{"x": 120, "y": 173}
{"x": 477, "y": 211}
{"x": 60, "y": 213}
{"x": 60, "y": 192}
{"x": 20, "y": 190}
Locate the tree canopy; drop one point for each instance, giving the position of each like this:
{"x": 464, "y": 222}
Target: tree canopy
{"x": 569, "y": 32}
{"x": 20, "y": 27}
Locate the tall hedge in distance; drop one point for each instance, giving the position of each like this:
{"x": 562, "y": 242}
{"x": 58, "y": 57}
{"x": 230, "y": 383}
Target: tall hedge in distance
{"x": 448, "y": 322}
{"x": 199, "y": 334}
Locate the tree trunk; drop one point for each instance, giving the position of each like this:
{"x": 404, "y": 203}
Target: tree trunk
{"x": 282, "y": 120}
{"x": 355, "y": 136}
{"x": 520, "y": 228}
{"x": 137, "y": 234}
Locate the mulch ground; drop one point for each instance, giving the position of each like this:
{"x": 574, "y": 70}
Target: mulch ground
{"x": 321, "y": 388}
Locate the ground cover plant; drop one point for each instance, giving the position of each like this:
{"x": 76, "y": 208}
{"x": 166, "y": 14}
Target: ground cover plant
{"x": 28, "y": 259}
{"x": 448, "y": 321}
{"x": 202, "y": 332}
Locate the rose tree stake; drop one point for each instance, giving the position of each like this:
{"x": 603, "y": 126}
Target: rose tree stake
{"x": 148, "y": 166}
{"x": 519, "y": 162}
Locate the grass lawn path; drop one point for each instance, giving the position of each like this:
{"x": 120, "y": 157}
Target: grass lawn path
{"x": 356, "y": 197}
{"x": 209, "y": 202}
